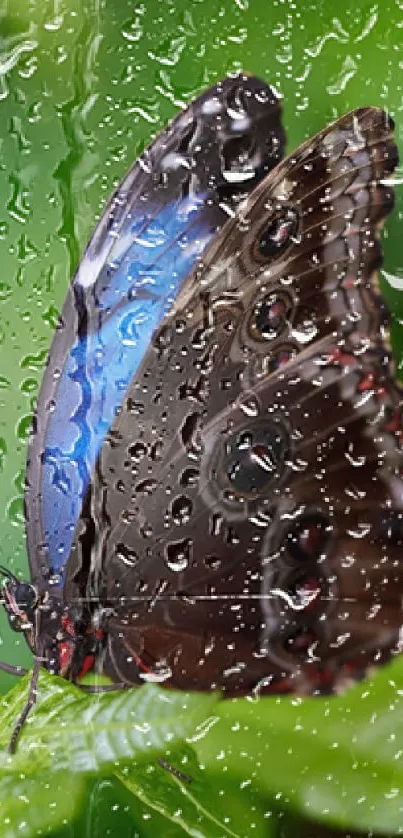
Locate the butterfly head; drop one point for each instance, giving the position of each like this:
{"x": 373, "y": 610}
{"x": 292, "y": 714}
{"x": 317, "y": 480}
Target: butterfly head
{"x": 20, "y": 602}
{"x": 64, "y": 638}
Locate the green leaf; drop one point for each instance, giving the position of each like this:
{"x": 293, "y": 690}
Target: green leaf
{"x": 112, "y": 810}
{"x": 31, "y": 806}
{"x": 125, "y": 733}
{"x": 177, "y": 788}
{"x": 72, "y": 730}
{"x": 338, "y": 760}
{"x": 70, "y": 734}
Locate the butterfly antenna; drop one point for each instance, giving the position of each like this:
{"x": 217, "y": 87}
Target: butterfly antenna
{"x": 32, "y": 696}
{"x": 7, "y": 573}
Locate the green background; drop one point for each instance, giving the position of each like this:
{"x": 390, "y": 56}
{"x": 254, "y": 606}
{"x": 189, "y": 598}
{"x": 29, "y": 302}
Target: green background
{"x": 84, "y": 86}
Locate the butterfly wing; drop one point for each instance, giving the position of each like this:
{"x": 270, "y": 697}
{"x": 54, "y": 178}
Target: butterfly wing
{"x": 152, "y": 232}
{"x": 245, "y": 512}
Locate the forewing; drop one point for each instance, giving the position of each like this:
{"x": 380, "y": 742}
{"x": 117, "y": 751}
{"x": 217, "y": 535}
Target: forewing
{"x": 150, "y": 236}
{"x": 246, "y": 506}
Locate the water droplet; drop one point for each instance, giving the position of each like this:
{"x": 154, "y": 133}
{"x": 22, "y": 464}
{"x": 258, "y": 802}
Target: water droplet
{"x": 190, "y": 435}
{"x": 162, "y": 339}
{"x": 137, "y": 450}
{"x": 362, "y": 530}
{"x": 126, "y": 555}
{"x": 162, "y": 672}
{"x": 250, "y": 406}
{"x": 189, "y": 478}
{"x": 216, "y": 522}
{"x": 134, "y": 407}
{"x": 169, "y": 51}
{"x": 305, "y": 332}
{"x": 132, "y": 30}
{"x": 24, "y": 427}
{"x": 178, "y": 554}
{"x": 34, "y": 362}
{"x": 181, "y": 509}
{"x": 5, "y": 291}
{"x": 146, "y": 487}
{"x": 15, "y": 512}
{"x": 347, "y": 72}
{"x": 146, "y": 530}
{"x": 356, "y": 461}
{"x": 212, "y": 562}
{"x": 3, "y": 452}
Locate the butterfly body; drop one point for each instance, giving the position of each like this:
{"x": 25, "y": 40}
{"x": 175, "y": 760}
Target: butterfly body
{"x": 233, "y": 518}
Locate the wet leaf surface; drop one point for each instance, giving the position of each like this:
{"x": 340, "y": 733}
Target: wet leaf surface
{"x": 338, "y": 760}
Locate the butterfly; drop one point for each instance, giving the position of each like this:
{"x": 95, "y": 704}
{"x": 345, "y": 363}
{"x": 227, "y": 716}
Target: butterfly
{"x": 214, "y": 494}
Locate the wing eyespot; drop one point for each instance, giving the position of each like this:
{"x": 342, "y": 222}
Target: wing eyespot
{"x": 307, "y": 539}
{"x": 277, "y": 234}
{"x": 255, "y": 457}
{"x": 270, "y": 316}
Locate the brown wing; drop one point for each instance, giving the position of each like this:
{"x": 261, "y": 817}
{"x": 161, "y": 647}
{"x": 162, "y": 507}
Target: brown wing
{"x": 247, "y": 503}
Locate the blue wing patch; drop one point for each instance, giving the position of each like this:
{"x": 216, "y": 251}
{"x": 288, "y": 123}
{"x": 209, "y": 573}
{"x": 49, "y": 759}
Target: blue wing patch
{"x": 142, "y": 283}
